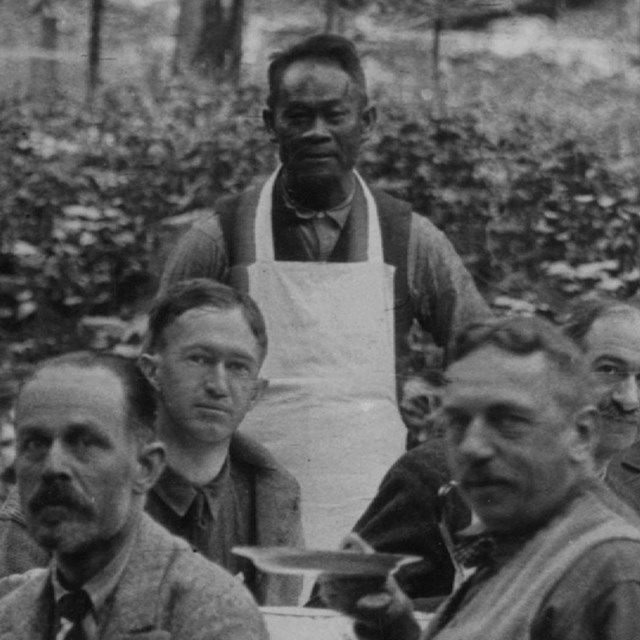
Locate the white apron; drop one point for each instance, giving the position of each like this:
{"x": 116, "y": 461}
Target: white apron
{"x": 330, "y": 412}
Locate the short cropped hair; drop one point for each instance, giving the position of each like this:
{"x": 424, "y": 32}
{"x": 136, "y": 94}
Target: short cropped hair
{"x": 523, "y": 336}
{"x": 140, "y": 405}
{"x": 197, "y": 293}
{"x": 324, "y": 47}
{"x": 584, "y": 314}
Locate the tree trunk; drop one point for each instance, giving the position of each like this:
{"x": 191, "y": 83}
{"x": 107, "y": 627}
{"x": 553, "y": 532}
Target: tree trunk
{"x": 330, "y": 11}
{"x": 436, "y": 75}
{"x": 209, "y": 38}
{"x": 44, "y": 70}
{"x": 93, "y": 71}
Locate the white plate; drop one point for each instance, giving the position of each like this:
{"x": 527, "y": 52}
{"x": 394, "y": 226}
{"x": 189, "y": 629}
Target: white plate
{"x": 291, "y": 560}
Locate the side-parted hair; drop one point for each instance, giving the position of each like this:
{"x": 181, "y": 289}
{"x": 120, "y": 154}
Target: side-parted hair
{"x": 329, "y": 47}
{"x": 197, "y": 293}
{"x": 525, "y": 336}
{"x": 584, "y": 314}
{"x": 139, "y": 396}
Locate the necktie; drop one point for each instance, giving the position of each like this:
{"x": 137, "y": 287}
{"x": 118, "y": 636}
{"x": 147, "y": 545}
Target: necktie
{"x": 475, "y": 551}
{"x": 74, "y": 606}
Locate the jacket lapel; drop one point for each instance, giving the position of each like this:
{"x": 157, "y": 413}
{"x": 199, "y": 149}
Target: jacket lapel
{"x": 134, "y": 610}
{"x": 32, "y": 610}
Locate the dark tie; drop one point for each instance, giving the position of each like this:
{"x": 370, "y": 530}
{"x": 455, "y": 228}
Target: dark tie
{"x": 74, "y": 606}
{"x": 475, "y": 551}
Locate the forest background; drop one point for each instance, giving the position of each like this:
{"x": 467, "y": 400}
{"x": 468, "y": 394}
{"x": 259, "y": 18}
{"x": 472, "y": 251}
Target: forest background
{"x": 512, "y": 124}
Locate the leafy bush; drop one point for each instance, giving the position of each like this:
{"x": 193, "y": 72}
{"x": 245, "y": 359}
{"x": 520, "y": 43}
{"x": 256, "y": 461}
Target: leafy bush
{"x": 537, "y": 215}
{"x": 532, "y": 211}
{"x": 81, "y": 194}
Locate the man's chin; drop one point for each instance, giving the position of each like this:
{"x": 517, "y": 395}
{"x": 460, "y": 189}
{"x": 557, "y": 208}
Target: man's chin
{"x": 55, "y": 533}
{"x": 618, "y": 435}
{"x": 315, "y": 176}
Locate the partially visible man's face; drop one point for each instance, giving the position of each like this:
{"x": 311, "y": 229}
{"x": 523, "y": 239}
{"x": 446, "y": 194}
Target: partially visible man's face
{"x": 76, "y": 459}
{"x": 319, "y": 121}
{"x": 207, "y": 374}
{"x": 509, "y": 439}
{"x": 612, "y": 348}
{"x": 7, "y": 440}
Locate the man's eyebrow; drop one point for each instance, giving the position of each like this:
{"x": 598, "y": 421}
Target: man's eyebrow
{"x": 605, "y": 357}
{"x": 31, "y": 429}
{"x": 215, "y": 351}
{"x": 298, "y": 104}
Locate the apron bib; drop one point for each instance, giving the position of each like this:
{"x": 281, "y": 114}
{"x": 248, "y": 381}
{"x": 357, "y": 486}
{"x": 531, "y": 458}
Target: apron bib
{"x": 330, "y": 413}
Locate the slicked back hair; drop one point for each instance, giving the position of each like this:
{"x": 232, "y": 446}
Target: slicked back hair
{"x": 195, "y": 294}
{"x": 524, "y": 336}
{"x": 584, "y": 314}
{"x": 325, "y": 47}
{"x": 139, "y": 397}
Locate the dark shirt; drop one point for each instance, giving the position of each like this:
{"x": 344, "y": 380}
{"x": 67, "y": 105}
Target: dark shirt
{"x": 317, "y": 231}
{"x": 212, "y": 518}
{"x": 403, "y": 518}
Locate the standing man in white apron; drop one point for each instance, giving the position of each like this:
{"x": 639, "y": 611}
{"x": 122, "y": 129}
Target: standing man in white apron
{"x": 340, "y": 271}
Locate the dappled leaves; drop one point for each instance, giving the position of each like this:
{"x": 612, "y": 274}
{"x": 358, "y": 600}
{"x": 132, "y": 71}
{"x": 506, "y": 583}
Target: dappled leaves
{"x": 538, "y": 216}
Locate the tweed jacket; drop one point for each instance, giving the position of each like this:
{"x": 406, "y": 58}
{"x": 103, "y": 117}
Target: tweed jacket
{"x": 165, "y": 593}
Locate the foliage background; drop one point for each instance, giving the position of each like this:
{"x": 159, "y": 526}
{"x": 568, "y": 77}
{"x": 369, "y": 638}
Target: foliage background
{"x": 541, "y": 211}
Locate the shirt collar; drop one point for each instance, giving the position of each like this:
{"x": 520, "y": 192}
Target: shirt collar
{"x": 178, "y": 493}
{"x": 338, "y": 214}
{"x": 102, "y": 585}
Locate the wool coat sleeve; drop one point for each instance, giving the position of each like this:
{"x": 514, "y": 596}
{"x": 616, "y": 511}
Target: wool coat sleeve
{"x": 444, "y": 294}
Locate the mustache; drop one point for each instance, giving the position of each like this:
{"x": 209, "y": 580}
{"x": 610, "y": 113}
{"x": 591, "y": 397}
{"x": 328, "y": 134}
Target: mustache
{"x": 60, "y": 495}
{"x": 608, "y": 410}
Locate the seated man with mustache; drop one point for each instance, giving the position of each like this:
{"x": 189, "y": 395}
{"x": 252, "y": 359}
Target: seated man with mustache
{"x": 87, "y": 456}
{"x": 402, "y": 518}
{"x": 608, "y": 332}
{"x": 205, "y": 345}
{"x": 557, "y": 555}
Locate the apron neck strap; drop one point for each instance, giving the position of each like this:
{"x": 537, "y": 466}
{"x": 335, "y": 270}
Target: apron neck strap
{"x": 264, "y": 243}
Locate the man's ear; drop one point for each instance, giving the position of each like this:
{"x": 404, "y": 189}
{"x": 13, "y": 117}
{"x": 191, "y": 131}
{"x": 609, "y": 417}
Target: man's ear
{"x": 151, "y": 463}
{"x": 260, "y": 387}
{"x": 148, "y": 364}
{"x": 369, "y": 118}
{"x": 584, "y": 434}
{"x": 269, "y": 123}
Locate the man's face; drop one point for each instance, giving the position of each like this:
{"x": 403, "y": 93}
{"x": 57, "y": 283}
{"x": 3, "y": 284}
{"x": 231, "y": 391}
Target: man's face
{"x": 76, "y": 460}
{"x": 207, "y": 374}
{"x": 613, "y": 352}
{"x": 319, "y": 121}
{"x": 510, "y": 441}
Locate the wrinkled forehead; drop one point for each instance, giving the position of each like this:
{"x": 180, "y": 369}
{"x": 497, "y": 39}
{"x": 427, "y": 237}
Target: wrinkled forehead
{"x": 316, "y": 78}
{"x": 491, "y": 375}
{"x": 68, "y": 392}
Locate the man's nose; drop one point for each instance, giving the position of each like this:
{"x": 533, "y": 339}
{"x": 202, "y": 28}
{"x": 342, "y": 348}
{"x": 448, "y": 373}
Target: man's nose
{"x": 318, "y": 128}
{"x": 625, "y": 395}
{"x": 56, "y": 462}
{"x": 476, "y": 441}
{"x": 216, "y": 380}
